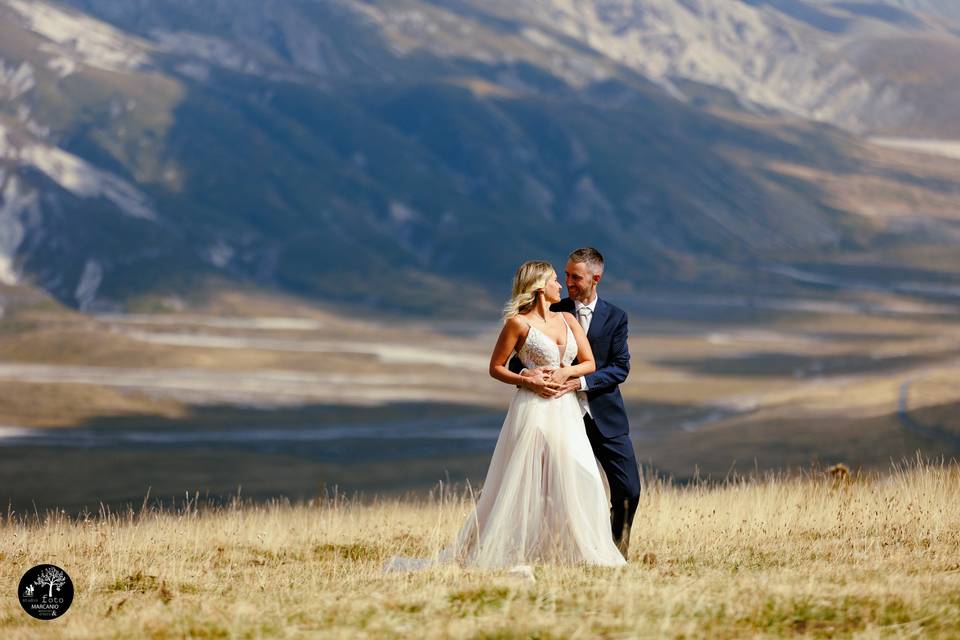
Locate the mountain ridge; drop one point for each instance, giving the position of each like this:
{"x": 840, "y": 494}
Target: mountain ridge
{"x": 255, "y": 146}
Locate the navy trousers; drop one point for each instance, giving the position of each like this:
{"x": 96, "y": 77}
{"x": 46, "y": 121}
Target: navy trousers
{"x": 619, "y": 462}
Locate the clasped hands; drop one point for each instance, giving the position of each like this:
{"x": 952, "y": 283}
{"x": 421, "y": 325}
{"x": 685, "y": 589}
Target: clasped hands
{"x": 547, "y": 382}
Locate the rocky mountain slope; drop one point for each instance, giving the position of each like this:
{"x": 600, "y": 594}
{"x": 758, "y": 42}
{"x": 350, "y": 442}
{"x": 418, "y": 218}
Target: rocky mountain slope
{"x": 410, "y": 154}
{"x": 864, "y": 66}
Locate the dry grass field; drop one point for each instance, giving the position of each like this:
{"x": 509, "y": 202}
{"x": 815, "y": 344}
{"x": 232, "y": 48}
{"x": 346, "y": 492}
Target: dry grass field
{"x": 771, "y": 556}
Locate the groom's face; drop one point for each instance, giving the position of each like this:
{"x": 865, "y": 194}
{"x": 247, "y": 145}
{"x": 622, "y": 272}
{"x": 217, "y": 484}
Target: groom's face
{"x": 581, "y": 281}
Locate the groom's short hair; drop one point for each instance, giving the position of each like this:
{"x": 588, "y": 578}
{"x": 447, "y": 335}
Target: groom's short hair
{"x": 588, "y": 255}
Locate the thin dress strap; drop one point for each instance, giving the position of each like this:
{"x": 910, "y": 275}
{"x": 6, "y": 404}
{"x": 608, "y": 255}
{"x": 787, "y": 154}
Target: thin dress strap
{"x": 529, "y": 327}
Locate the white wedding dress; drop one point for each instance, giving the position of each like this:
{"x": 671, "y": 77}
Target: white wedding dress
{"x": 543, "y": 499}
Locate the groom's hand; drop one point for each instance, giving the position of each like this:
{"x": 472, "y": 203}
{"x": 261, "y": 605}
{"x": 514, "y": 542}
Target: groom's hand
{"x": 573, "y": 384}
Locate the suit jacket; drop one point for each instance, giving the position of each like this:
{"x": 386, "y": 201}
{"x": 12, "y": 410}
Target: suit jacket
{"x": 608, "y": 340}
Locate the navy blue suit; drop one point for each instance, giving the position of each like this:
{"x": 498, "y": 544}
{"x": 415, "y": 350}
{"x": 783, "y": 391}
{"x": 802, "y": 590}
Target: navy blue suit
{"x": 606, "y": 424}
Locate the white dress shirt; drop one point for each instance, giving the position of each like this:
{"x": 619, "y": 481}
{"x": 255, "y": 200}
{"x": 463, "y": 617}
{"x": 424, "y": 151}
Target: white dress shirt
{"x": 577, "y": 305}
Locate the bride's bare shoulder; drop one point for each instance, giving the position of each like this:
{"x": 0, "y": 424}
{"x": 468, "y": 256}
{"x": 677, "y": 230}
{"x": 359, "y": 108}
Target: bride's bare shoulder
{"x": 516, "y": 324}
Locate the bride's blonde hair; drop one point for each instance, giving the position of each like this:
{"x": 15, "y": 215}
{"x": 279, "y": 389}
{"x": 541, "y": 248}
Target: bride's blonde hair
{"x": 530, "y": 277}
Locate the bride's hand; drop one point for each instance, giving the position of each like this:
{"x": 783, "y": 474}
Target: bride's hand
{"x": 560, "y": 376}
{"x": 540, "y": 383}
{"x": 545, "y": 371}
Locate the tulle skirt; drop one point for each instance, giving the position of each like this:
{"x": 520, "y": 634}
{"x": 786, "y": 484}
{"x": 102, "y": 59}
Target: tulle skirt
{"x": 543, "y": 499}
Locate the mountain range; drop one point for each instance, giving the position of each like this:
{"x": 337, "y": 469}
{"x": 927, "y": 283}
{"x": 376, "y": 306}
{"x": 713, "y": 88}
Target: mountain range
{"x": 408, "y": 155}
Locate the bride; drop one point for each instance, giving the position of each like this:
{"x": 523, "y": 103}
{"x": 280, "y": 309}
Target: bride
{"x": 543, "y": 498}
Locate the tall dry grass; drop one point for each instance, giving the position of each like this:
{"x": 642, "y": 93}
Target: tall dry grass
{"x": 878, "y": 556}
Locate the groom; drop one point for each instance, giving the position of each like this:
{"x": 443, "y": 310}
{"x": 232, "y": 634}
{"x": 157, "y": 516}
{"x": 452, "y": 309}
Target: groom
{"x": 599, "y": 393}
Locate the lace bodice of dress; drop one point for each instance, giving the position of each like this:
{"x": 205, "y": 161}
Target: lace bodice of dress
{"x": 539, "y": 350}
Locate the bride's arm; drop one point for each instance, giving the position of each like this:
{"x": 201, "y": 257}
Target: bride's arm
{"x": 586, "y": 364}
{"x": 513, "y": 330}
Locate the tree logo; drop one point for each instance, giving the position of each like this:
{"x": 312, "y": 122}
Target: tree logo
{"x": 45, "y": 592}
